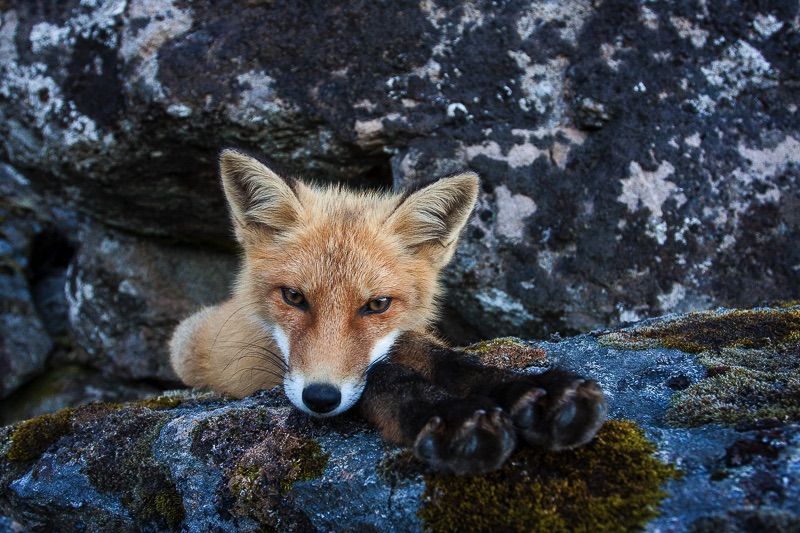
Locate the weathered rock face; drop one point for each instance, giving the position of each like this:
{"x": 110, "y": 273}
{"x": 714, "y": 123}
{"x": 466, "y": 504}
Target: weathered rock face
{"x": 87, "y": 310}
{"x": 25, "y": 342}
{"x": 637, "y": 158}
{"x": 126, "y": 293}
{"x": 716, "y": 395}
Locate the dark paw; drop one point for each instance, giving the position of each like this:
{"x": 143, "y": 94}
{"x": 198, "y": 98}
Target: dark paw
{"x": 466, "y": 441}
{"x": 565, "y": 413}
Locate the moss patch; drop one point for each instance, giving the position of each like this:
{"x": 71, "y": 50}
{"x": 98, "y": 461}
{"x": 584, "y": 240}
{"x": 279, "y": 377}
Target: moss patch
{"x": 122, "y": 464}
{"x": 508, "y": 352}
{"x": 264, "y": 476}
{"x": 752, "y": 358}
{"x": 31, "y": 438}
{"x": 736, "y": 395}
{"x": 700, "y": 332}
{"x": 612, "y": 484}
{"x": 262, "y": 458}
{"x": 174, "y": 398}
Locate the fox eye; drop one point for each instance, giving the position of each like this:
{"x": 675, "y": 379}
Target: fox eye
{"x": 293, "y": 297}
{"x": 378, "y": 305}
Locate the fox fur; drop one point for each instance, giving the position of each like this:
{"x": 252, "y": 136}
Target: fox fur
{"x": 338, "y": 290}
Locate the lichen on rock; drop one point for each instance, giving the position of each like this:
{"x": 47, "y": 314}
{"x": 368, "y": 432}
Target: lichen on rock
{"x": 508, "y": 352}
{"x": 751, "y": 357}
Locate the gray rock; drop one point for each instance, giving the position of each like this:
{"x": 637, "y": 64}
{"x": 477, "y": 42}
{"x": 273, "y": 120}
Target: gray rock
{"x": 24, "y": 341}
{"x": 69, "y": 385}
{"x": 126, "y": 295}
{"x": 201, "y": 462}
{"x": 637, "y": 158}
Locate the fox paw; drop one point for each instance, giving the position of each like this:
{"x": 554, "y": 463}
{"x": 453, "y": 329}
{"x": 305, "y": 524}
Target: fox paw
{"x": 564, "y": 413}
{"x": 466, "y": 441}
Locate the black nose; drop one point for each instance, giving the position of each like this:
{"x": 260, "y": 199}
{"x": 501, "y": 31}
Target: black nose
{"x": 321, "y": 398}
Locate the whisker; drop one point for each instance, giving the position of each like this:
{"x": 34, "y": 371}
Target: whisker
{"x": 259, "y": 351}
{"x": 254, "y": 302}
{"x": 253, "y": 369}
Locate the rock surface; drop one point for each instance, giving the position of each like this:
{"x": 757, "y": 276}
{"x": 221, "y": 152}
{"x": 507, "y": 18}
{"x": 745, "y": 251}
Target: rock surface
{"x": 25, "y": 342}
{"x": 637, "y": 158}
{"x": 200, "y": 462}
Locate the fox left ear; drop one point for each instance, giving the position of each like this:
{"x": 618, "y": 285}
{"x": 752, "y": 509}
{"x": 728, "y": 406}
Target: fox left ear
{"x": 431, "y": 220}
{"x": 260, "y": 200}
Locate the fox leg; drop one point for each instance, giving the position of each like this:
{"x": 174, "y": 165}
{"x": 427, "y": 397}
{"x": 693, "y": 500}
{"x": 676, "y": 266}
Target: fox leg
{"x": 463, "y": 435}
{"x": 556, "y": 409}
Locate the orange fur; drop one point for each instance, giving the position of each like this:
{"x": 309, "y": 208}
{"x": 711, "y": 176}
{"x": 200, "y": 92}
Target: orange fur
{"x": 339, "y": 250}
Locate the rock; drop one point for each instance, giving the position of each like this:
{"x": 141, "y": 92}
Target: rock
{"x": 69, "y": 385}
{"x": 201, "y": 462}
{"x": 24, "y": 343}
{"x": 126, "y": 295}
{"x": 637, "y": 158}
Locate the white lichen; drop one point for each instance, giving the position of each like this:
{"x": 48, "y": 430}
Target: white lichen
{"x": 567, "y": 17}
{"x": 512, "y": 210}
{"x": 140, "y": 47}
{"x": 649, "y": 189}
{"x": 179, "y": 110}
{"x": 740, "y": 67}
{"x": 688, "y": 30}
{"x": 767, "y": 25}
{"x": 498, "y": 303}
{"x": 44, "y": 36}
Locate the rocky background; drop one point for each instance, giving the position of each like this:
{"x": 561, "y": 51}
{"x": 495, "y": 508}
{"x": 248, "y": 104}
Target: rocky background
{"x": 638, "y": 158}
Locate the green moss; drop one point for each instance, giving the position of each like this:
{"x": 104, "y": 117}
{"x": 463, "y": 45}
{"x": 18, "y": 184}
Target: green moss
{"x": 307, "y": 462}
{"x": 700, "y": 332}
{"x": 33, "y": 437}
{"x": 751, "y": 357}
{"x": 612, "y": 484}
{"x": 174, "y": 398}
{"x": 735, "y": 395}
{"x": 122, "y": 464}
{"x": 161, "y": 402}
{"x": 310, "y": 461}
{"x": 508, "y": 352}
{"x": 265, "y": 475}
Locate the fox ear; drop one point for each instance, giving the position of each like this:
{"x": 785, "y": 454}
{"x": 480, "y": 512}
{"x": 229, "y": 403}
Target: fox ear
{"x": 430, "y": 220}
{"x": 259, "y": 199}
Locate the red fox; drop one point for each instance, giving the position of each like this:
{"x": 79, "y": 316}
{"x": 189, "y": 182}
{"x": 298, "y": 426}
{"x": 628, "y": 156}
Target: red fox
{"x": 335, "y": 300}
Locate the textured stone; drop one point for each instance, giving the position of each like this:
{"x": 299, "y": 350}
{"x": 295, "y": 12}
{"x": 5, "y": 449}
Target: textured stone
{"x": 24, "y": 341}
{"x": 637, "y": 158}
{"x": 200, "y": 462}
{"x": 126, "y": 293}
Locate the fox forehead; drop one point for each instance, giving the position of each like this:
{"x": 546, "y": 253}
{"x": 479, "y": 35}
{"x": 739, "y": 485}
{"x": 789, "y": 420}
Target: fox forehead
{"x": 341, "y": 239}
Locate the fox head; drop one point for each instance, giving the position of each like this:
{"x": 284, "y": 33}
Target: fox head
{"x": 335, "y": 276}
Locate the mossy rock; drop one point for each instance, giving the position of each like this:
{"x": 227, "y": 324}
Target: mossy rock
{"x": 612, "y": 484}
{"x": 712, "y": 330}
{"x": 508, "y": 352}
{"x": 31, "y": 438}
{"x": 752, "y": 359}
{"x": 120, "y": 463}
{"x": 735, "y": 395}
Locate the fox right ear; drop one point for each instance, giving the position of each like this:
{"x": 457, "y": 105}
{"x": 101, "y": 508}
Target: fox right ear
{"x": 259, "y": 199}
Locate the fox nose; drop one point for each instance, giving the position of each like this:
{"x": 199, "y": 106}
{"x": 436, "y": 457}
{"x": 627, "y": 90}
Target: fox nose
{"x": 321, "y": 397}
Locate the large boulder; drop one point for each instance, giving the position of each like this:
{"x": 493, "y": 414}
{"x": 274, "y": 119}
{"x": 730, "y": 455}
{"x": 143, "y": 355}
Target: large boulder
{"x": 637, "y": 157}
{"x": 704, "y": 436}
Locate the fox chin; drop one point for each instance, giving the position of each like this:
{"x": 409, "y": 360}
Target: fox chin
{"x": 335, "y": 299}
